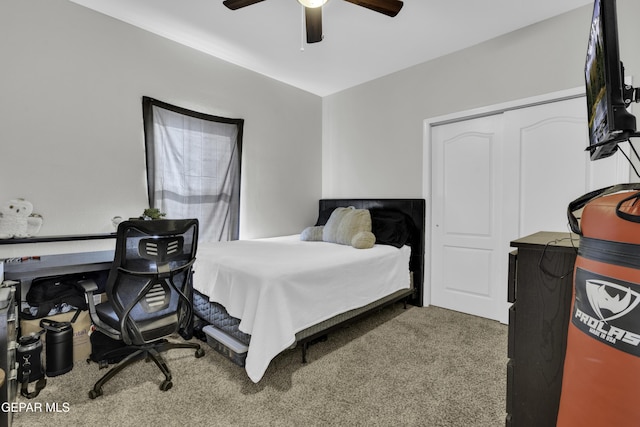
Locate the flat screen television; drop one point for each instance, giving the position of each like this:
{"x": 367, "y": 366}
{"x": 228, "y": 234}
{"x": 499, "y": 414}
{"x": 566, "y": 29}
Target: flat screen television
{"x": 608, "y": 118}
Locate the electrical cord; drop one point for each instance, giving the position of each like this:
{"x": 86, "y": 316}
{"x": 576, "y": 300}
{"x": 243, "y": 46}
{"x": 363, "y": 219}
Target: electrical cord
{"x": 629, "y": 159}
{"x": 540, "y": 261}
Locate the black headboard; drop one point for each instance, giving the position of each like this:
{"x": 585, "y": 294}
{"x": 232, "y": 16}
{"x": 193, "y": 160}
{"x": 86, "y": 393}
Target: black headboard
{"x": 415, "y": 209}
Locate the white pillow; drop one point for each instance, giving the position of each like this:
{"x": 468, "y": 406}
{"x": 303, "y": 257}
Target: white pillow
{"x": 345, "y": 223}
{"x": 312, "y": 234}
{"x": 363, "y": 240}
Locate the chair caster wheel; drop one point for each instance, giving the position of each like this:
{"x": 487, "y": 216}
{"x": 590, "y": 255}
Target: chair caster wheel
{"x": 95, "y": 393}
{"x": 166, "y": 385}
{"x": 199, "y": 353}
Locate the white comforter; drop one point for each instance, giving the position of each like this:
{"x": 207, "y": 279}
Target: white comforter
{"x": 280, "y": 286}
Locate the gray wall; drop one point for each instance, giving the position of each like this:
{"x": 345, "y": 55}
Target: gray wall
{"x": 71, "y": 134}
{"x": 373, "y": 133}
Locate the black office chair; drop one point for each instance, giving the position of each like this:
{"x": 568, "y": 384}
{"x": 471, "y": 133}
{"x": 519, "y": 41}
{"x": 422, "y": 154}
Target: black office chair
{"x": 148, "y": 292}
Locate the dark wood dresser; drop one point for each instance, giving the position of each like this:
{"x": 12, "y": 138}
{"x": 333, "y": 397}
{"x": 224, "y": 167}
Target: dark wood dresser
{"x": 540, "y": 288}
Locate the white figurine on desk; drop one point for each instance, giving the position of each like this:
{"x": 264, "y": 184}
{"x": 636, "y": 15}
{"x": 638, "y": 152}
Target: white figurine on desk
{"x": 17, "y": 219}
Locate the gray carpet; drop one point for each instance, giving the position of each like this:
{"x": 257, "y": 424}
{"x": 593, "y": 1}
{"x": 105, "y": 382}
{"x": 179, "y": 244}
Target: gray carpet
{"x": 414, "y": 367}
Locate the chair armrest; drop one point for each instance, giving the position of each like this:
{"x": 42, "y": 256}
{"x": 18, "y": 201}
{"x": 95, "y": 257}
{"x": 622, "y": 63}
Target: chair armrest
{"x": 89, "y": 286}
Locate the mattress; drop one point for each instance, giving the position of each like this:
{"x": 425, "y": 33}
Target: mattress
{"x": 281, "y": 286}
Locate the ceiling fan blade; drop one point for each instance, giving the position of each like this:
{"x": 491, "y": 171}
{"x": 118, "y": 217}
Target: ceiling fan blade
{"x": 387, "y": 7}
{"x": 237, "y": 4}
{"x": 313, "y": 18}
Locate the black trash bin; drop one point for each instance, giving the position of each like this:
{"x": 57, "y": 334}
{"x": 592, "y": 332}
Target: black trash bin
{"x": 59, "y": 347}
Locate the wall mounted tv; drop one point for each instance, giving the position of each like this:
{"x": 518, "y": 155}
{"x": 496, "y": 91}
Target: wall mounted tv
{"x": 607, "y": 96}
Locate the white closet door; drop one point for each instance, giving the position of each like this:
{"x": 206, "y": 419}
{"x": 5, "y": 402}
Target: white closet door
{"x": 547, "y": 166}
{"x": 498, "y": 178}
{"x": 466, "y": 215}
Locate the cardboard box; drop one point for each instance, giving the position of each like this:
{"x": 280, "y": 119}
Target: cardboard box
{"x": 81, "y": 343}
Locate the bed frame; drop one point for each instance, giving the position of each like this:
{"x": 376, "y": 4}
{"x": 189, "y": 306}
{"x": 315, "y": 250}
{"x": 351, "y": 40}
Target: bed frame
{"x": 415, "y": 209}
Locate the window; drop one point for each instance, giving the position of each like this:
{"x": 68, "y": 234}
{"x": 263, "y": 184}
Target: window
{"x": 193, "y": 167}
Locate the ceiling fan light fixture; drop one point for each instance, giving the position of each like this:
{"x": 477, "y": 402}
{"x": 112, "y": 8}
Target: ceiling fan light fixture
{"x": 312, "y": 3}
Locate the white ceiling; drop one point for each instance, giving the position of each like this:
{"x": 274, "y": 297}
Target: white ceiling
{"x": 359, "y": 45}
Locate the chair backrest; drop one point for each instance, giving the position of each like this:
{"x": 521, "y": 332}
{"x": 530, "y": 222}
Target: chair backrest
{"x": 149, "y": 285}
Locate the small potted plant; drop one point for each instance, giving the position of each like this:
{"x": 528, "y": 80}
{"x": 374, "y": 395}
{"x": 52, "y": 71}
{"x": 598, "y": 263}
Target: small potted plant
{"x": 153, "y": 213}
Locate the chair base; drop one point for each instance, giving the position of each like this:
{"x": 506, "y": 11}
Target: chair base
{"x": 148, "y": 352}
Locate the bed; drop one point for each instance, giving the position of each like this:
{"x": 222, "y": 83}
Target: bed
{"x": 275, "y": 293}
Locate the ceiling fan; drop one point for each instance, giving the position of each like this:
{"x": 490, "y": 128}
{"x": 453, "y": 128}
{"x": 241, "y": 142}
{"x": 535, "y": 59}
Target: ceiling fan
{"x": 313, "y": 11}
